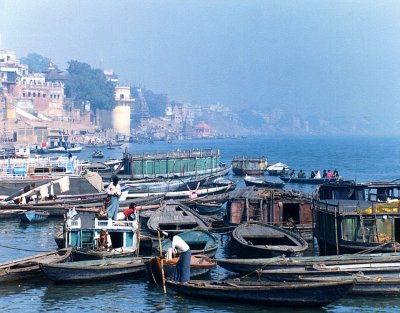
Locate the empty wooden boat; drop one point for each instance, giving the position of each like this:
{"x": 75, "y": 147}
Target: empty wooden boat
{"x": 256, "y": 239}
{"x": 28, "y": 267}
{"x": 313, "y": 294}
{"x": 251, "y": 265}
{"x": 262, "y": 183}
{"x": 200, "y": 242}
{"x": 93, "y": 270}
{"x": 199, "y": 265}
{"x": 174, "y": 217}
{"x": 33, "y": 216}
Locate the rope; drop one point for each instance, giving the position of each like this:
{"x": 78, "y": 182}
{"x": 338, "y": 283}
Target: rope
{"x": 8, "y": 247}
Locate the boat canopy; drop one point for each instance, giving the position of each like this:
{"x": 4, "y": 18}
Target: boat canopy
{"x": 278, "y": 167}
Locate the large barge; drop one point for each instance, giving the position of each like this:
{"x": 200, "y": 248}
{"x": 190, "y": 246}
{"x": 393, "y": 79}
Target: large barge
{"x": 172, "y": 164}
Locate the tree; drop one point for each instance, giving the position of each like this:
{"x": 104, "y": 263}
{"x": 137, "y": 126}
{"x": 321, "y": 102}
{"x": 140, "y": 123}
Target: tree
{"x": 88, "y": 84}
{"x": 36, "y": 63}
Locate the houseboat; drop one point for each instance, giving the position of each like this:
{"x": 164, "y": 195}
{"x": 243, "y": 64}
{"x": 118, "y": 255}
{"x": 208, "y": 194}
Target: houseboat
{"x": 172, "y": 164}
{"x": 250, "y": 166}
{"x": 82, "y": 229}
{"x": 355, "y": 217}
{"x": 286, "y": 208}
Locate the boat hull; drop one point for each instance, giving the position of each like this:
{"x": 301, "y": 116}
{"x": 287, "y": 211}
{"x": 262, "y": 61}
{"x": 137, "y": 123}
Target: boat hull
{"x": 93, "y": 270}
{"x": 302, "y": 294}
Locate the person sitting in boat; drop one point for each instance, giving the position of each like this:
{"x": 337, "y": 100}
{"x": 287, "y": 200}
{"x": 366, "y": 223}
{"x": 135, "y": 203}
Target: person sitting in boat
{"x": 324, "y": 173}
{"x": 114, "y": 191}
{"x": 312, "y": 174}
{"x": 182, "y": 269}
{"x": 104, "y": 240}
{"x": 329, "y": 174}
{"x": 317, "y": 174}
{"x": 292, "y": 173}
{"x": 102, "y": 215}
{"x": 301, "y": 174}
{"x": 335, "y": 173}
{"x": 130, "y": 214}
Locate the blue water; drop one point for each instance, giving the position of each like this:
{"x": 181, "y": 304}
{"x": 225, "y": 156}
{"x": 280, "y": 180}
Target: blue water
{"x": 362, "y": 159}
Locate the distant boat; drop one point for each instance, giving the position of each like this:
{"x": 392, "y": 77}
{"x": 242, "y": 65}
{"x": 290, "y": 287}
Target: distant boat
{"x": 97, "y": 154}
{"x": 256, "y": 239}
{"x": 33, "y": 216}
{"x": 299, "y": 294}
{"x": 93, "y": 270}
{"x": 310, "y": 181}
{"x": 278, "y": 169}
{"x": 250, "y": 166}
{"x": 263, "y": 183}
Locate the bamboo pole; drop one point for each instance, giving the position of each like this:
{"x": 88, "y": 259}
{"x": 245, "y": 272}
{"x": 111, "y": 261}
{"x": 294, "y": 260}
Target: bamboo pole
{"x": 161, "y": 260}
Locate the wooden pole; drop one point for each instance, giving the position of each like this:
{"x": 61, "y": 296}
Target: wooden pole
{"x": 161, "y": 259}
{"x": 138, "y": 233}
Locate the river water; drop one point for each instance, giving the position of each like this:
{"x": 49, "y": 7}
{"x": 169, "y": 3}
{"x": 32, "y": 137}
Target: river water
{"x": 359, "y": 158}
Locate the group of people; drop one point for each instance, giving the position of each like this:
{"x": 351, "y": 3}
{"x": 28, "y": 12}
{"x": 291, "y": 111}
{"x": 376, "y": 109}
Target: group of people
{"x": 316, "y": 174}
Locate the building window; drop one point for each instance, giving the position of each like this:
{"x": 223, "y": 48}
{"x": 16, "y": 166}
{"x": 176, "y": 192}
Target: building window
{"x": 23, "y": 94}
{"x": 44, "y": 95}
{"x": 34, "y": 94}
{"x": 29, "y": 93}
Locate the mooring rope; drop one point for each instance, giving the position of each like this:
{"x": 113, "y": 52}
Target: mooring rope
{"x": 30, "y": 250}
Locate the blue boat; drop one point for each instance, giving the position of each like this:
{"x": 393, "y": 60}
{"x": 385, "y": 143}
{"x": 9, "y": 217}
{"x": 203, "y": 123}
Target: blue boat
{"x": 33, "y": 216}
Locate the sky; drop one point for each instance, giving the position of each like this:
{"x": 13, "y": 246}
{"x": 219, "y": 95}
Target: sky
{"x": 324, "y": 58}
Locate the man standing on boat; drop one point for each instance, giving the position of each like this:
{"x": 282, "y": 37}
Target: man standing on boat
{"x": 114, "y": 190}
{"x": 182, "y": 269}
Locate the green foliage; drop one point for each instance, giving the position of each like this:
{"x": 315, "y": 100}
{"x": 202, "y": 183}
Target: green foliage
{"x": 36, "y": 62}
{"x": 88, "y": 84}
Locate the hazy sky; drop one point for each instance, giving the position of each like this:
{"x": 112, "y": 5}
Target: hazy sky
{"x": 325, "y": 57}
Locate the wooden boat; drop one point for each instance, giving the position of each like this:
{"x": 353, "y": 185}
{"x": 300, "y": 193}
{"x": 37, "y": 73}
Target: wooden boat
{"x": 162, "y": 185}
{"x": 367, "y": 285}
{"x": 28, "y": 267}
{"x": 301, "y": 263}
{"x": 33, "y": 216}
{"x": 199, "y": 265}
{"x": 93, "y": 270}
{"x": 274, "y": 206}
{"x": 183, "y": 194}
{"x": 334, "y": 271}
{"x": 278, "y": 169}
{"x": 250, "y": 166}
{"x": 263, "y": 183}
{"x": 256, "y": 239}
{"x": 13, "y": 213}
{"x": 200, "y": 242}
{"x": 174, "y": 218}
{"x": 208, "y": 208}
{"x": 97, "y": 154}
{"x": 355, "y": 217}
{"x": 309, "y": 181}
{"x": 313, "y": 294}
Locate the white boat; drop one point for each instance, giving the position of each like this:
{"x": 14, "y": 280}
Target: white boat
{"x": 278, "y": 169}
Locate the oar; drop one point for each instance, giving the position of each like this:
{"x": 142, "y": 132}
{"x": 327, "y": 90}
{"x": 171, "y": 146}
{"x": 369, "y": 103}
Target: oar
{"x": 161, "y": 259}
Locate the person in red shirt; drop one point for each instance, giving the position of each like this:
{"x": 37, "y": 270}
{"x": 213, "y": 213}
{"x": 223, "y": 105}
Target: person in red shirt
{"x": 130, "y": 214}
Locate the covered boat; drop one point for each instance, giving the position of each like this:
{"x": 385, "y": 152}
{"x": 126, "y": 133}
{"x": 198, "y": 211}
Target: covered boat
{"x": 174, "y": 218}
{"x": 93, "y": 270}
{"x": 33, "y": 216}
{"x": 256, "y": 239}
{"x": 251, "y": 166}
{"x": 200, "y": 242}
{"x": 28, "y": 267}
{"x": 260, "y": 182}
{"x": 278, "y": 169}
{"x": 357, "y": 217}
{"x": 97, "y": 154}
{"x": 313, "y": 294}
{"x": 287, "y": 208}
{"x": 199, "y": 265}
{"x": 81, "y": 229}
